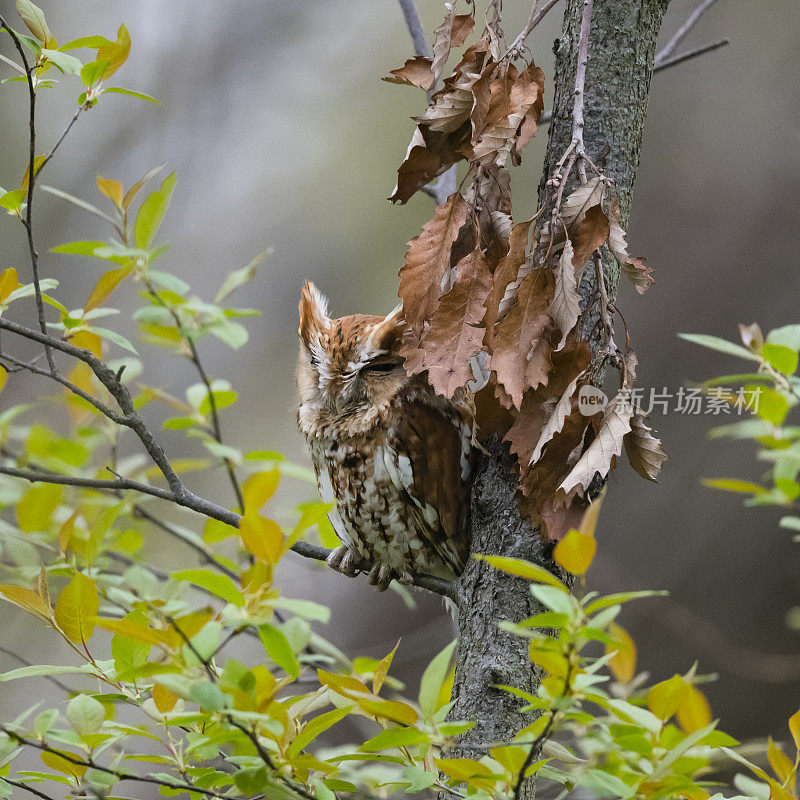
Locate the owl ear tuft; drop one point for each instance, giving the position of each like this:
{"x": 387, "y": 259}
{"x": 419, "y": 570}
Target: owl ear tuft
{"x": 313, "y": 312}
{"x": 388, "y": 334}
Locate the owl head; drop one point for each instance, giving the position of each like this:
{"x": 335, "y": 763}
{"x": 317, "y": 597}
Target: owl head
{"x": 349, "y": 368}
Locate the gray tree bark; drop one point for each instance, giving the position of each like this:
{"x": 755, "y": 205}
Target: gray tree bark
{"x": 622, "y": 47}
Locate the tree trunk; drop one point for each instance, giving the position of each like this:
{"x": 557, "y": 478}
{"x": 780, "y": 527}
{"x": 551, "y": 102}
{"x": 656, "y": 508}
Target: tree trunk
{"x": 622, "y": 46}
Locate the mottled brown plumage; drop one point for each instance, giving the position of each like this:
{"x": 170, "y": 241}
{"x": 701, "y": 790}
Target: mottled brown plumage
{"x": 393, "y": 456}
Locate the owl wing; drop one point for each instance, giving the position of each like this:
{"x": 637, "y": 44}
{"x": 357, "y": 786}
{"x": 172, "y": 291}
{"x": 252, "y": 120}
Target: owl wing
{"x": 433, "y": 468}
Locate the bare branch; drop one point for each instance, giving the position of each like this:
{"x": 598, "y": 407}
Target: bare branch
{"x": 415, "y": 29}
{"x": 447, "y": 182}
{"x": 208, "y": 509}
{"x": 684, "y": 30}
{"x": 119, "y": 775}
{"x": 76, "y": 390}
{"x": 27, "y": 788}
{"x": 681, "y": 57}
{"x": 580, "y": 80}
{"x": 535, "y": 17}
{"x": 26, "y": 663}
{"x": 34, "y": 255}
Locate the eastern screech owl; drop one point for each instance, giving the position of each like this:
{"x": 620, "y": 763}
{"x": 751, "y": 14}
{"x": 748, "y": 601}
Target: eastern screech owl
{"x": 392, "y": 455}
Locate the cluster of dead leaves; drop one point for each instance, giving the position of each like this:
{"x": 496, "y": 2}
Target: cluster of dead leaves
{"x": 486, "y": 309}
{"x": 485, "y": 111}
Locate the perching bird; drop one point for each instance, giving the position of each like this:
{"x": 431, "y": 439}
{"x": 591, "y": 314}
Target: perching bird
{"x": 393, "y": 456}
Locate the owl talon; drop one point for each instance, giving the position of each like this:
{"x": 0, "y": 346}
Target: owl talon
{"x": 381, "y": 575}
{"x": 406, "y": 578}
{"x": 343, "y": 560}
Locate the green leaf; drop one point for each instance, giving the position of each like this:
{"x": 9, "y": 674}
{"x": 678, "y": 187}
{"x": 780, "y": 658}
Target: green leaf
{"x": 85, "y": 714}
{"x": 219, "y": 585}
{"x": 222, "y": 399}
{"x": 130, "y": 654}
{"x": 167, "y": 281}
{"x": 792, "y": 523}
{"x": 209, "y": 696}
{"x": 787, "y": 336}
{"x": 68, "y": 64}
{"x": 93, "y": 72}
{"x": 132, "y": 93}
{"x": 239, "y": 277}
{"x": 113, "y": 336}
{"x": 152, "y": 212}
{"x": 307, "y": 609}
{"x": 89, "y": 42}
{"x": 432, "y": 680}
{"x": 769, "y": 404}
{"x": 395, "y": 737}
{"x": 722, "y": 345}
{"x": 733, "y": 485}
{"x": 279, "y": 649}
{"x": 76, "y": 609}
{"x": 78, "y": 202}
{"x": 40, "y": 670}
{"x": 553, "y": 598}
{"x": 315, "y": 727}
{"x": 34, "y": 20}
{"x": 12, "y": 201}
{"x": 231, "y": 333}
{"x": 782, "y": 358}
{"x": 86, "y": 248}
{"x": 524, "y": 569}
{"x": 36, "y": 508}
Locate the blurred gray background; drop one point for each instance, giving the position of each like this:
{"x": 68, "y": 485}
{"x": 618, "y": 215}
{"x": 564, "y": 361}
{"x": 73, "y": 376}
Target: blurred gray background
{"x": 283, "y": 135}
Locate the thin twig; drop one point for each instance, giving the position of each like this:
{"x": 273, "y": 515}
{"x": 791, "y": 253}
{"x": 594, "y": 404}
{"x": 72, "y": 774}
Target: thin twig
{"x": 119, "y": 775}
{"x": 682, "y": 32}
{"x": 447, "y": 183}
{"x": 414, "y": 25}
{"x": 26, "y": 663}
{"x": 580, "y": 78}
{"x": 76, "y": 390}
{"x": 28, "y": 221}
{"x": 205, "y": 507}
{"x": 27, "y": 788}
{"x": 681, "y": 57}
{"x": 534, "y": 18}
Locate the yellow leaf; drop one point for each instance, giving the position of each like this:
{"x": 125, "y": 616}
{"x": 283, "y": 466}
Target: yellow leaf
{"x": 37, "y": 163}
{"x": 163, "y": 698}
{"x": 258, "y": 488}
{"x": 8, "y": 283}
{"x": 77, "y": 608}
{"x": 694, "y": 712}
{"x": 141, "y": 633}
{"x": 27, "y": 599}
{"x": 105, "y": 286}
{"x": 777, "y": 792}
{"x": 341, "y": 684}
{"x": 794, "y": 727}
{"x": 36, "y": 508}
{"x": 525, "y": 569}
{"x": 262, "y": 537}
{"x": 623, "y": 664}
{"x": 665, "y": 698}
{"x": 66, "y": 531}
{"x": 589, "y": 521}
{"x": 115, "y": 53}
{"x": 779, "y": 761}
{"x": 88, "y": 341}
{"x": 3, "y": 376}
{"x": 575, "y": 552}
{"x": 56, "y": 761}
{"x": 382, "y": 670}
{"x": 389, "y": 709}
{"x": 551, "y": 661}
{"x": 111, "y": 189}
